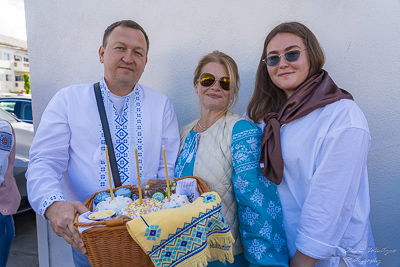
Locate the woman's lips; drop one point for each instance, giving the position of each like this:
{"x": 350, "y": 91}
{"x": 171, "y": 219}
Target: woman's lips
{"x": 214, "y": 95}
{"x": 285, "y": 74}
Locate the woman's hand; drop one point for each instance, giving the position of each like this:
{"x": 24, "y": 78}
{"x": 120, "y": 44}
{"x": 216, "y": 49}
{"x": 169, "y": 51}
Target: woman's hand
{"x": 302, "y": 260}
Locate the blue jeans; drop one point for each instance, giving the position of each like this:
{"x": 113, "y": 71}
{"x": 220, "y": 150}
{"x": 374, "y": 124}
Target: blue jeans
{"x": 7, "y": 233}
{"x": 80, "y": 260}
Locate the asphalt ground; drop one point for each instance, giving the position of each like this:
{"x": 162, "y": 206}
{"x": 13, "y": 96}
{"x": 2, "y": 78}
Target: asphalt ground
{"x": 24, "y": 249}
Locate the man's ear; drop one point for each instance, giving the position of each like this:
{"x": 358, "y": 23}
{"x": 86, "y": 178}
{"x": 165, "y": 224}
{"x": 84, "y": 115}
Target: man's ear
{"x": 101, "y": 54}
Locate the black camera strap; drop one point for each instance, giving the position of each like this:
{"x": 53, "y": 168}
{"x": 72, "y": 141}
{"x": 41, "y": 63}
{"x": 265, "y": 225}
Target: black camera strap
{"x": 107, "y": 135}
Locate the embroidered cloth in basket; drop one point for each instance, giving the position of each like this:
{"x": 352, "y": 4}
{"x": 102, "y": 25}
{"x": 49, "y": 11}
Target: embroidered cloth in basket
{"x": 185, "y": 236}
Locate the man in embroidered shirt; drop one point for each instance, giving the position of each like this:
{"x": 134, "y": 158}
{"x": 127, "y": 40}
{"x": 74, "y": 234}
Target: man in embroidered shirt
{"x": 68, "y": 161}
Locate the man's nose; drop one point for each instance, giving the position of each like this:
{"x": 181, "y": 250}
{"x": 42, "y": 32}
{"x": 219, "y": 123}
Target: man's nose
{"x": 128, "y": 58}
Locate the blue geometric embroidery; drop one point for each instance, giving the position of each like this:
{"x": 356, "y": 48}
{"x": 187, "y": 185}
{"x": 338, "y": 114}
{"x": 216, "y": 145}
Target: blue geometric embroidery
{"x": 257, "y": 249}
{"x": 241, "y": 184}
{"x": 127, "y": 133}
{"x": 249, "y": 216}
{"x": 152, "y": 232}
{"x": 189, "y": 240}
{"x": 257, "y": 197}
{"x": 48, "y": 201}
{"x": 209, "y": 198}
{"x": 273, "y": 209}
{"x": 245, "y": 134}
{"x": 168, "y": 254}
{"x": 5, "y": 141}
{"x": 279, "y": 242}
{"x": 266, "y": 230}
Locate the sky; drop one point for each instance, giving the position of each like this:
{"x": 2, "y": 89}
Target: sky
{"x": 12, "y": 19}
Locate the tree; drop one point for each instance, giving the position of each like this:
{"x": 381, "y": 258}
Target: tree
{"x": 27, "y": 84}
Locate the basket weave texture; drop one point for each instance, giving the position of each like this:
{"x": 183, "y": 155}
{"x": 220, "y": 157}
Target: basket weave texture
{"x": 112, "y": 245}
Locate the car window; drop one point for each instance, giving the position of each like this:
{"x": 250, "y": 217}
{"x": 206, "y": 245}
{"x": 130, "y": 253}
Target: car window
{"x": 26, "y": 111}
{"x": 8, "y": 106}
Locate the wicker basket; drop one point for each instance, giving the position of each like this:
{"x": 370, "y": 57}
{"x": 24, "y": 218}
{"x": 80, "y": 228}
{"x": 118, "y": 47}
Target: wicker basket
{"x": 112, "y": 245}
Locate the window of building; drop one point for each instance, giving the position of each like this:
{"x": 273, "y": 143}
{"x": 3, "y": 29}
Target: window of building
{"x": 8, "y": 78}
{"x": 6, "y": 56}
{"x": 1, "y": 77}
{"x": 16, "y": 84}
{"x": 18, "y": 78}
{"x": 26, "y": 59}
{"x": 26, "y": 65}
{"x": 17, "y": 58}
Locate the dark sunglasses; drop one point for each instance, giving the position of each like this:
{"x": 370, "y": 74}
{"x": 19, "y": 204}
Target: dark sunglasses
{"x": 207, "y": 80}
{"x": 290, "y": 56}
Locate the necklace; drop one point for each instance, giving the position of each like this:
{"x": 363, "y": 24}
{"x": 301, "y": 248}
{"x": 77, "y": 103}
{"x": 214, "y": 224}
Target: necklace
{"x": 201, "y": 127}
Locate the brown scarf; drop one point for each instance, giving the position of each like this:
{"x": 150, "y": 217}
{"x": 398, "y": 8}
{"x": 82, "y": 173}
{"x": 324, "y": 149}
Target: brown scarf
{"x": 316, "y": 92}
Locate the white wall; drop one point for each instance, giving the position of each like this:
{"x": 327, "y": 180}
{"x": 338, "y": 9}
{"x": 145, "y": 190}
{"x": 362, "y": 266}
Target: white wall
{"x": 360, "y": 38}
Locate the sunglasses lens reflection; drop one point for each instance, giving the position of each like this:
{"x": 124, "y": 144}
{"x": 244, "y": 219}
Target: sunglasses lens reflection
{"x": 224, "y": 83}
{"x": 290, "y": 56}
{"x": 207, "y": 80}
{"x": 272, "y": 61}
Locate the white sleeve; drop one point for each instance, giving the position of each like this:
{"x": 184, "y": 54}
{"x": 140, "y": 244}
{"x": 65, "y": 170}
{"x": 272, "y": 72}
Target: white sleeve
{"x": 49, "y": 156}
{"x": 340, "y": 169}
{"x": 170, "y": 141}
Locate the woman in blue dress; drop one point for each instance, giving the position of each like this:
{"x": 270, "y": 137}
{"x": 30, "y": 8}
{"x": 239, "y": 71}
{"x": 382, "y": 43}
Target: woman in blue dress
{"x": 223, "y": 149}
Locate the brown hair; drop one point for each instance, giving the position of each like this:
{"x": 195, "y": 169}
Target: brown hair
{"x": 267, "y": 96}
{"x": 230, "y": 65}
{"x": 125, "y": 23}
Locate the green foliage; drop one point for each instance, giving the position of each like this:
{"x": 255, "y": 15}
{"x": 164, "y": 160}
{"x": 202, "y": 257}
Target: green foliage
{"x": 27, "y": 84}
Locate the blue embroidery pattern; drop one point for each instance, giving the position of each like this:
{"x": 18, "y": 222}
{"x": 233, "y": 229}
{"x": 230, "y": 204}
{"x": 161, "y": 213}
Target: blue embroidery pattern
{"x": 127, "y": 133}
{"x": 5, "y": 141}
{"x": 48, "y": 201}
{"x": 254, "y": 194}
{"x": 190, "y": 239}
{"x": 209, "y": 198}
{"x": 259, "y": 208}
{"x": 153, "y": 232}
{"x": 189, "y": 152}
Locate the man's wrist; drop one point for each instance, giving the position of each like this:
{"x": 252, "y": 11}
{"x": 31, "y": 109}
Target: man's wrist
{"x": 48, "y": 202}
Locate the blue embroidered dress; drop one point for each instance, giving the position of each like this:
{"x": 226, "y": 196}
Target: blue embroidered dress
{"x": 259, "y": 208}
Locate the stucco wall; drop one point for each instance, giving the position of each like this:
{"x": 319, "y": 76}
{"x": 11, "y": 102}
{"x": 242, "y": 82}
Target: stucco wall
{"x": 360, "y": 39}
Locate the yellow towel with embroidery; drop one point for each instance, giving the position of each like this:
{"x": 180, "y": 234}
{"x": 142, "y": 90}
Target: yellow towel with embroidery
{"x": 185, "y": 236}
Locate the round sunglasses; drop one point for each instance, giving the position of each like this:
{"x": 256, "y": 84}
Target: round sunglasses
{"x": 207, "y": 80}
{"x": 290, "y": 56}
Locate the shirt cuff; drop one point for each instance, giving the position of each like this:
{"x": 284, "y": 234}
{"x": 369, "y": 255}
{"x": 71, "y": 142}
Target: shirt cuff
{"x": 316, "y": 249}
{"x": 47, "y": 202}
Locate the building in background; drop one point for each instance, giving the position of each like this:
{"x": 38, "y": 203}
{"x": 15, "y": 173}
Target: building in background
{"x": 14, "y": 62}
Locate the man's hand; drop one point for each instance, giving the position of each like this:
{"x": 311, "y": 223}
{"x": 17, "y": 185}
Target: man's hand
{"x": 61, "y": 215}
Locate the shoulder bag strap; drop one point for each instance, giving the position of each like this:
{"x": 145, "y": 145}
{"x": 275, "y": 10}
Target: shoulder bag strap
{"x": 107, "y": 135}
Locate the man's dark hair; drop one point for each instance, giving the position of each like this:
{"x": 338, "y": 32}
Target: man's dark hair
{"x": 125, "y": 23}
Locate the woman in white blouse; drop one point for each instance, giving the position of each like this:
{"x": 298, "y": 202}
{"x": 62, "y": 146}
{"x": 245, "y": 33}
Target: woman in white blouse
{"x": 314, "y": 147}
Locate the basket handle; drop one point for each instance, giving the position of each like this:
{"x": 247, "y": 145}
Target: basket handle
{"x": 108, "y": 223}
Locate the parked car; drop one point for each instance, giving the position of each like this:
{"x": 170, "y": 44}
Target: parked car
{"x": 20, "y": 106}
{"x": 23, "y": 137}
